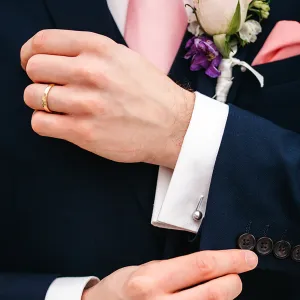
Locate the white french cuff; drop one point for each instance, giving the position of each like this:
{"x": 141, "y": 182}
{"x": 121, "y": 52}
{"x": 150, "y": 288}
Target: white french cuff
{"x": 184, "y": 191}
{"x": 70, "y": 288}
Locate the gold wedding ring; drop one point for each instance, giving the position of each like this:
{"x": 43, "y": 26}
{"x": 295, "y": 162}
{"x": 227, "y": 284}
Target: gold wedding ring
{"x": 45, "y": 98}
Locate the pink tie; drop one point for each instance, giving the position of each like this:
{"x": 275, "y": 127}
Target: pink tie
{"x": 155, "y": 29}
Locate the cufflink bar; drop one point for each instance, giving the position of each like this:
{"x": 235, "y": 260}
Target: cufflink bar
{"x": 197, "y": 214}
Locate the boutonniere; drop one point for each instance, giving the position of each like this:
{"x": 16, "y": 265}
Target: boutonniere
{"x": 220, "y": 28}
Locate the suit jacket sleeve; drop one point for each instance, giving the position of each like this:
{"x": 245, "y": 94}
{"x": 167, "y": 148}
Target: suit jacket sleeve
{"x": 255, "y": 187}
{"x": 16, "y": 286}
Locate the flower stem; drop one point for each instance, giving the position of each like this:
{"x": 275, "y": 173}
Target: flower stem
{"x": 192, "y": 8}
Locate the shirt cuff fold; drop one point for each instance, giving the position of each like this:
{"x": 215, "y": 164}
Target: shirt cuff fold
{"x": 70, "y": 288}
{"x": 181, "y": 192}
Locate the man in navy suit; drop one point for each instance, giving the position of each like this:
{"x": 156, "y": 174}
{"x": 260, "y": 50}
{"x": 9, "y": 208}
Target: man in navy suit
{"x": 253, "y": 190}
{"x": 69, "y": 217}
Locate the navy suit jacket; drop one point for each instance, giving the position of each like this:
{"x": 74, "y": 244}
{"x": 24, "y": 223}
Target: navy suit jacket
{"x": 255, "y": 187}
{"x": 76, "y": 214}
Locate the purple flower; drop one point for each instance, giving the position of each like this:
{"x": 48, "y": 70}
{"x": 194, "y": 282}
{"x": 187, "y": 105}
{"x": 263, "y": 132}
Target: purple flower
{"x": 204, "y": 55}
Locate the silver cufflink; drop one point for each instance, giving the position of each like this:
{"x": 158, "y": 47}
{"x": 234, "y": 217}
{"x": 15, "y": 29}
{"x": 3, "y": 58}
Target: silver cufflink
{"x": 197, "y": 214}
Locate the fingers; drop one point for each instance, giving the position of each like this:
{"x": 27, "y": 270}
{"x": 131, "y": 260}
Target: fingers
{"x": 43, "y": 68}
{"x": 224, "y": 288}
{"x": 53, "y": 125}
{"x": 54, "y": 42}
{"x": 60, "y": 99}
{"x": 199, "y": 267}
{"x": 61, "y": 42}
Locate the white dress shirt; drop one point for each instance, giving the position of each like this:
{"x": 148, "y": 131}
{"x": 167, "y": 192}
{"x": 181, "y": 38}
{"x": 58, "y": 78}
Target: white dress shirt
{"x": 179, "y": 192}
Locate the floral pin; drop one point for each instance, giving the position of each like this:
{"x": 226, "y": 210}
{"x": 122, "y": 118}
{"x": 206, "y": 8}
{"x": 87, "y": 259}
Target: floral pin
{"x": 220, "y": 28}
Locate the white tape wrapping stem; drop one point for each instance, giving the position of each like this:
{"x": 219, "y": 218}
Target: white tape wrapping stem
{"x": 225, "y": 80}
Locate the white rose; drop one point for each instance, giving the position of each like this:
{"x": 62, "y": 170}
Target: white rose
{"x": 250, "y": 30}
{"x": 216, "y": 15}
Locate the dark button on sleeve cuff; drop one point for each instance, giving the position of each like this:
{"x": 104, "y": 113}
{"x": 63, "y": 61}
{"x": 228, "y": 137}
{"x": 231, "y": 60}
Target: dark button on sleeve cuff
{"x": 282, "y": 249}
{"x": 246, "y": 241}
{"x": 264, "y": 246}
{"x": 296, "y": 253}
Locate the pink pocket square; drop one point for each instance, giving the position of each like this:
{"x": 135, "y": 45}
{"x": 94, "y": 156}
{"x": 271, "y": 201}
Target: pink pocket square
{"x": 283, "y": 42}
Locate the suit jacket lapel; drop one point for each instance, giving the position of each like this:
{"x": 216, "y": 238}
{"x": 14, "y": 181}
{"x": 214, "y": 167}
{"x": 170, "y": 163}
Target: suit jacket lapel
{"x": 181, "y": 73}
{"x": 84, "y": 15}
{"x": 237, "y": 74}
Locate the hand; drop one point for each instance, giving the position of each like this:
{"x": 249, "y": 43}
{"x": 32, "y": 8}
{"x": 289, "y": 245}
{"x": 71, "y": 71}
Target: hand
{"x": 209, "y": 275}
{"x": 111, "y": 101}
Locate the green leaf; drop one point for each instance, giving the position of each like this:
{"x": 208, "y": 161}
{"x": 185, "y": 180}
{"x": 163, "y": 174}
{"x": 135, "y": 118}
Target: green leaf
{"x": 236, "y": 21}
{"x": 222, "y": 41}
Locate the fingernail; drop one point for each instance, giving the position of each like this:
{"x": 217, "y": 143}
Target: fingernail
{"x": 251, "y": 259}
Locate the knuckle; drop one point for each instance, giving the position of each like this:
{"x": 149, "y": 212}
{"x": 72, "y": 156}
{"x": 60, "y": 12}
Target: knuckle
{"x": 121, "y": 50}
{"x": 86, "y": 73}
{"x": 215, "y": 293}
{"x": 38, "y": 41}
{"x": 122, "y": 47}
{"x": 205, "y": 263}
{"x": 139, "y": 287}
{"x": 91, "y": 106}
{"x": 99, "y": 108}
{"x": 103, "y": 43}
{"x": 82, "y": 107}
{"x": 94, "y": 42}
{"x": 85, "y": 133}
{"x": 91, "y": 75}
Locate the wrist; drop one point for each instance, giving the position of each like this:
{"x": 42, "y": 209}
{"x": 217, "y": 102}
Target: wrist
{"x": 182, "y": 115}
{"x": 89, "y": 291}
{"x": 181, "y": 126}
{"x": 88, "y": 294}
